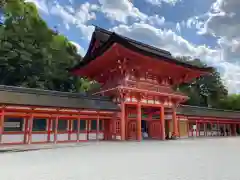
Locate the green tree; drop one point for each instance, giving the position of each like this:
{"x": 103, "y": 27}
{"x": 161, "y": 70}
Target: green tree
{"x": 31, "y": 54}
{"x": 205, "y": 90}
{"x": 231, "y": 102}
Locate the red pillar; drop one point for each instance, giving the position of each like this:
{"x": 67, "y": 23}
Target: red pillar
{"x": 110, "y": 129}
{"x": 69, "y": 128}
{"x": 114, "y": 129}
{"x": 126, "y": 122}
{"x": 49, "y": 129}
{"x": 97, "y": 134}
{"x": 26, "y": 124}
{"x": 211, "y": 128}
{"x": 78, "y": 129}
{"x": 88, "y": 126}
{"x": 123, "y": 125}
{"x": 205, "y": 128}
{"x": 199, "y": 124}
{"x": 30, "y": 130}
{"x": 139, "y": 122}
{"x": 218, "y": 129}
{"x": 175, "y": 124}
{"x": 162, "y": 123}
{"x": 56, "y": 130}
{"x": 1, "y": 126}
{"x": 197, "y": 128}
{"x": 224, "y": 129}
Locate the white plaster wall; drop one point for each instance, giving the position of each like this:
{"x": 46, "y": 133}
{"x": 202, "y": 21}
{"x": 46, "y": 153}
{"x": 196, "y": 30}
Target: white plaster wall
{"x": 201, "y": 133}
{"x": 100, "y": 136}
{"x": 12, "y": 138}
{"x": 62, "y": 137}
{"x": 93, "y": 136}
{"x": 190, "y": 133}
{"x": 39, "y": 137}
{"x": 73, "y": 137}
{"x": 51, "y": 137}
{"x": 82, "y": 136}
{"x": 209, "y": 133}
{"x": 15, "y": 138}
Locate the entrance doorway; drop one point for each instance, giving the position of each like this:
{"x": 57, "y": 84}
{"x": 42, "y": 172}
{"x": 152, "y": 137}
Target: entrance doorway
{"x": 145, "y": 129}
{"x": 167, "y": 129}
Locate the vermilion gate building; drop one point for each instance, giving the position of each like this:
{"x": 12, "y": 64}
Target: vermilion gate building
{"x": 136, "y": 98}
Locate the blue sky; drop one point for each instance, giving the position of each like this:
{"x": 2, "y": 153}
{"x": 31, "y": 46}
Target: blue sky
{"x": 205, "y": 29}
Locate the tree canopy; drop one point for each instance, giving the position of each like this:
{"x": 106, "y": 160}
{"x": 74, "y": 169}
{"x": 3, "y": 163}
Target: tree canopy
{"x": 231, "y": 102}
{"x": 32, "y": 54}
{"x": 204, "y": 91}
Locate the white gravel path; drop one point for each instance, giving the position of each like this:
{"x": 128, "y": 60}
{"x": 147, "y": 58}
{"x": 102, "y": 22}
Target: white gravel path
{"x": 201, "y": 159}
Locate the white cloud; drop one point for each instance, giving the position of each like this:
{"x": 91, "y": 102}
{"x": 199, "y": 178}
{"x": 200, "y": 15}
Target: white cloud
{"x": 40, "y": 4}
{"x": 60, "y": 11}
{"x": 71, "y": 1}
{"x": 223, "y": 22}
{"x": 124, "y": 10}
{"x": 159, "y": 2}
{"x": 167, "y": 39}
{"x": 120, "y": 10}
{"x": 178, "y": 27}
{"x": 78, "y": 17}
{"x": 80, "y": 50}
{"x": 155, "y": 20}
{"x": 70, "y": 9}
{"x": 70, "y": 16}
{"x": 223, "y": 19}
{"x": 84, "y": 13}
{"x": 231, "y": 76}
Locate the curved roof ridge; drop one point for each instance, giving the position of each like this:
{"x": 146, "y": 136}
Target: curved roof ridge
{"x": 135, "y": 41}
{"x": 107, "y": 38}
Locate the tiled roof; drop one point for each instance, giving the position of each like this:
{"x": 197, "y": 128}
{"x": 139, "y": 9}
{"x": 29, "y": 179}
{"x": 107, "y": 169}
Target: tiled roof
{"x": 207, "y": 112}
{"x": 37, "y": 97}
{"x": 106, "y": 39}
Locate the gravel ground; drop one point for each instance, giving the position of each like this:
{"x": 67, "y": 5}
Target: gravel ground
{"x": 199, "y": 159}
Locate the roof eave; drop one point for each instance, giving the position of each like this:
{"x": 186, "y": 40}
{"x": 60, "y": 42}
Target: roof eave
{"x": 122, "y": 41}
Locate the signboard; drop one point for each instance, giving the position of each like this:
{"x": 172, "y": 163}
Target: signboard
{"x": 12, "y": 124}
